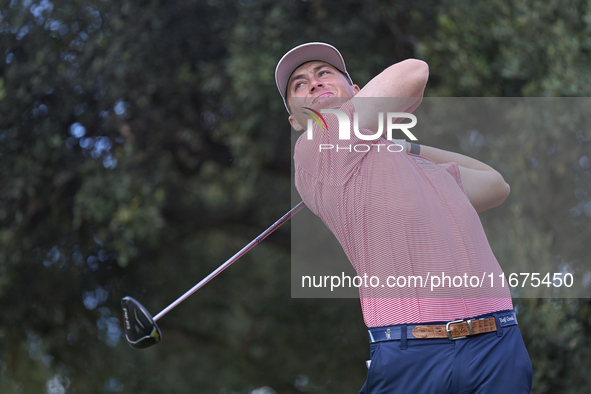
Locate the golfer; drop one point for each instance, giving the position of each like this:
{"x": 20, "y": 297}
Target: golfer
{"x": 403, "y": 210}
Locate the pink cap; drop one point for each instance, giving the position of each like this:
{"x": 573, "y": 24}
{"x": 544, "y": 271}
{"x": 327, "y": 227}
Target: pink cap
{"x": 302, "y": 54}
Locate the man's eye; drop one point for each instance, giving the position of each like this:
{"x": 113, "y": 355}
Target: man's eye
{"x": 298, "y": 85}
{"x": 323, "y": 72}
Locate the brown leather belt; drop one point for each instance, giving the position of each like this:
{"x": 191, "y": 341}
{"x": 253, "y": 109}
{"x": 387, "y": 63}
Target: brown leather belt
{"x": 456, "y": 329}
{"x": 452, "y": 330}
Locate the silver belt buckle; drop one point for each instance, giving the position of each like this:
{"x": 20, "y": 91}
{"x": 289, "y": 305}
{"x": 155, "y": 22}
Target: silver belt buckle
{"x": 448, "y": 330}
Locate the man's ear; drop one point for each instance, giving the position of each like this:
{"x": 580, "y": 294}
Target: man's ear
{"x": 356, "y": 89}
{"x": 295, "y": 124}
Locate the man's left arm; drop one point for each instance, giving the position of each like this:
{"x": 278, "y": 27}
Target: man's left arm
{"x": 484, "y": 185}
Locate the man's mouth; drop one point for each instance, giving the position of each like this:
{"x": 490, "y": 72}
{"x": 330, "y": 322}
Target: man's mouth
{"x": 323, "y": 95}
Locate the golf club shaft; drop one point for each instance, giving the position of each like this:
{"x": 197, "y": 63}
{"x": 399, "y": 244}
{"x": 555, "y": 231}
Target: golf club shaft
{"x": 232, "y": 259}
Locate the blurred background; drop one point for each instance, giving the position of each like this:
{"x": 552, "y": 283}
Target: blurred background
{"x": 142, "y": 143}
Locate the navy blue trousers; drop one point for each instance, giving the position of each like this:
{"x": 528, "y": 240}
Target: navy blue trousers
{"x": 487, "y": 363}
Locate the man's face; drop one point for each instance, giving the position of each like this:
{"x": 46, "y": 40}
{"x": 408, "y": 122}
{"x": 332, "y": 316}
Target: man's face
{"x": 316, "y": 85}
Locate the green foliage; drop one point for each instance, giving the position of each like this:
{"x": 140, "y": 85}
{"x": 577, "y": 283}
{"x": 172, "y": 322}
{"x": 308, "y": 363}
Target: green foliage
{"x": 517, "y": 48}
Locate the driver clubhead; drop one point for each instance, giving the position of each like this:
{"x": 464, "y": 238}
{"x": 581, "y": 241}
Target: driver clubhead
{"x": 141, "y": 331}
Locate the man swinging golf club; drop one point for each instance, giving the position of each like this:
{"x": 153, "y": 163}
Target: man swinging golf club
{"x": 402, "y": 211}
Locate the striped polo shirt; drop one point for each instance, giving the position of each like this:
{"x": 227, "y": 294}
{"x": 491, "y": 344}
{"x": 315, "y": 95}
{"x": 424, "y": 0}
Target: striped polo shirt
{"x": 404, "y": 222}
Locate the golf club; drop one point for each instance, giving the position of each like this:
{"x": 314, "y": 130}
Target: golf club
{"x": 141, "y": 330}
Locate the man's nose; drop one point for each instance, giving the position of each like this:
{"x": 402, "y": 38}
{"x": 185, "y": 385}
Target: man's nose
{"x": 314, "y": 83}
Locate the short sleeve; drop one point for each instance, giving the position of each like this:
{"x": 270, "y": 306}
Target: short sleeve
{"x": 454, "y": 170}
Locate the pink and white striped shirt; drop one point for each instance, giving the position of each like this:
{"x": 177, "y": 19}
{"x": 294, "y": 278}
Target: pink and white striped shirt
{"x": 399, "y": 214}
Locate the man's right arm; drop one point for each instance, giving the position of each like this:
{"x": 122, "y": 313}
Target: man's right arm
{"x": 484, "y": 186}
{"x": 399, "y": 88}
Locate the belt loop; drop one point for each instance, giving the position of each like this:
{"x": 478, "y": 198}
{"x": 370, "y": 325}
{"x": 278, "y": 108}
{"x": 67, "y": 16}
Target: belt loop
{"x": 498, "y": 323}
{"x": 403, "y": 337}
